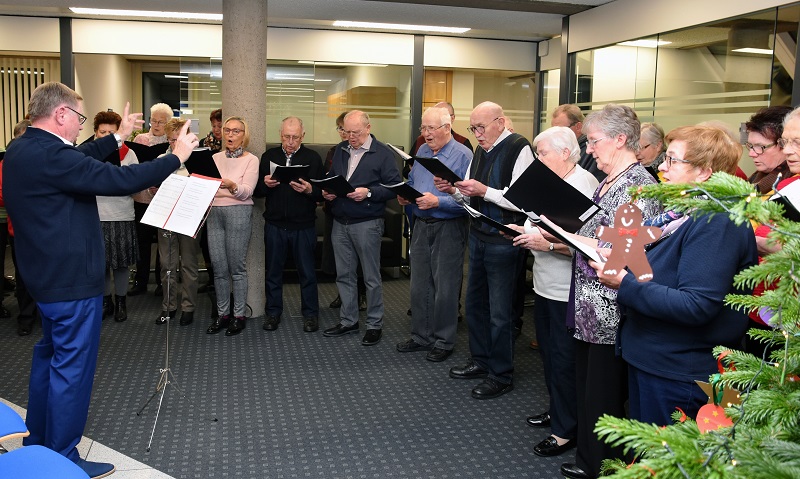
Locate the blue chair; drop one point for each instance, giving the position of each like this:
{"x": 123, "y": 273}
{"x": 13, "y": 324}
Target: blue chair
{"x": 36, "y": 462}
{"x": 11, "y": 425}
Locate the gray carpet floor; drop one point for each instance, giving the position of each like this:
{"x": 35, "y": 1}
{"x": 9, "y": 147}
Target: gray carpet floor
{"x": 291, "y": 404}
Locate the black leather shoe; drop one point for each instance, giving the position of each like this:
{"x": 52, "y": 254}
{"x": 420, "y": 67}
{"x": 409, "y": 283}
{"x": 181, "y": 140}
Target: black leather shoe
{"x": 163, "y": 318}
{"x": 490, "y": 389}
{"x": 362, "y": 302}
{"x": 372, "y": 337}
{"x": 271, "y": 323}
{"x": 24, "y": 329}
{"x": 539, "y": 420}
{"x": 572, "y": 471}
{"x": 138, "y": 288}
{"x": 340, "y": 330}
{"x": 336, "y": 303}
{"x": 468, "y": 371}
{"x": 437, "y": 355}
{"x": 549, "y": 447}
{"x": 235, "y": 326}
{"x": 310, "y": 324}
{"x": 187, "y": 317}
{"x": 218, "y": 324}
{"x": 411, "y": 346}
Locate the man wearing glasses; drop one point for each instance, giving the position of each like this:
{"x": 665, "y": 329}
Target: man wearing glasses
{"x": 501, "y": 157}
{"x": 289, "y": 223}
{"x": 437, "y": 245}
{"x": 571, "y": 117}
{"x": 60, "y": 253}
{"x": 358, "y": 223}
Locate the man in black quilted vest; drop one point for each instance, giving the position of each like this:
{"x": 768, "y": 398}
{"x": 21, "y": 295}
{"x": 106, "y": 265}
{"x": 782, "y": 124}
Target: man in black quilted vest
{"x": 498, "y": 161}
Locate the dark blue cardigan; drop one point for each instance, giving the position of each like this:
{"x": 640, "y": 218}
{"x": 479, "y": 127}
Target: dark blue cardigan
{"x": 377, "y": 166}
{"x": 49, "y": 189}
{"x": 672, "y": 322}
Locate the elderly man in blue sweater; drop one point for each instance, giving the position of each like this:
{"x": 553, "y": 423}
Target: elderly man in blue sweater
{"x": 365, "y": 163}
{"x": 49, "y": 189}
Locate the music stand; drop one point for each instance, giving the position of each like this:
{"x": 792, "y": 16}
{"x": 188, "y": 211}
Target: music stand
{"x": 166, "y": 377}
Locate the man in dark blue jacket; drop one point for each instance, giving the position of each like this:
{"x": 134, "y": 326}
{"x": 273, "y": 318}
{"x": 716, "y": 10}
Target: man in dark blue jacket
{"x": 358, "y": 223}
{"x": 50, "y": 188}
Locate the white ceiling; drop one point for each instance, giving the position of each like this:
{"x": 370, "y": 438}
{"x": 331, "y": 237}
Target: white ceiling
{"x": 524, "y": 20}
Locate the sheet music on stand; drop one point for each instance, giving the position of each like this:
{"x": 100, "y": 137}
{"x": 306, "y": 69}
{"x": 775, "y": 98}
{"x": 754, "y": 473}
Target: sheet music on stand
{"x": 182, "y": 203}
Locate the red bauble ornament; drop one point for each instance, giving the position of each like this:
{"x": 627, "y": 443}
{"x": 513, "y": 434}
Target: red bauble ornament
{"x": 712, "y": 417}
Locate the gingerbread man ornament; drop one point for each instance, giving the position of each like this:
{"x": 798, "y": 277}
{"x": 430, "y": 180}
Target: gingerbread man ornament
{"x": 628, "y": 238}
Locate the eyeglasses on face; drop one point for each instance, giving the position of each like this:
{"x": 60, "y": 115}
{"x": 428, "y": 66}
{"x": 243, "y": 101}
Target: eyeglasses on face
{"x": 480, "y": 129}
{"x": 758, "y": 149}
{"x": 353, "y": 132}
{"x": 235, "y": 131}
{"x": 592, "y": 143}
{"x": 793, "y": 143}
{"x": 429, "y": 129}
{"x": 670, "y": 160}
{"x": 157, "y": 122}
{"x": 291, "y": 137}
{"x": 81, "y": 117}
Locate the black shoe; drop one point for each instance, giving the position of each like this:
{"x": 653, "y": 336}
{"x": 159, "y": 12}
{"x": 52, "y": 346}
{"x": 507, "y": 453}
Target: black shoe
{"x": 372, "y": 337}
{"x": 468, "y": 371}
{"x": 490, "y": 389}
{"x": 159, "y": 291}
{"x": 539, "y": 420}
{"x": 572, "y": 471}
{"x": 437, "y": 355}
{"x": 235, "y": 326}
{"x": 362, "y": 302}
{"x": 138, "y": 288}
{"x": 271, "y": 323}
{"x": 549, "y": 447}
{"x": 96, "y": 470}
{"x": 108, "y": 307}
{"x": 120, "y": 309}
{"x": 411, "y": 346}
{"x": 340, "y": 330}
{"x": 310, "y": 324}
{"x": 218, "y": 324}
{"x": 24, "y": 329}
{"x": 163, "y": 318}
{"x": 187, "y": 317}
{"x": 336, "y": 303}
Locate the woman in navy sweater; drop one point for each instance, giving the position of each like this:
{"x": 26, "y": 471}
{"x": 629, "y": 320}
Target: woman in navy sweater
{"x": 672, "y": 322}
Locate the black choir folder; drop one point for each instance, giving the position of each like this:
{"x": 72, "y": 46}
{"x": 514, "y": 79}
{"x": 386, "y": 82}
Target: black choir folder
{"x": 147, "y": 153}
{"x": 478, "y": 216}
{"x": 335, "y": 184}
{"x": 287, "y": 174}
{"x": 201, "y": 162}
{"x": 539, "y": 190}
{"x": 431, "y": 164}
{"x": 405, "y": 190}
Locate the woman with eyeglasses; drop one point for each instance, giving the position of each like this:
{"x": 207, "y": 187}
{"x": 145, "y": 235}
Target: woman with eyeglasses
{"x": 613, "y": 140}
{"x": 160, "y": 113}
{"x": 228, "y": 225}
{"x": 117, "y": 219}
{"x": 764, "y": 130}
{"x": 651, "y": 148}
{"x": 673, "y": 321}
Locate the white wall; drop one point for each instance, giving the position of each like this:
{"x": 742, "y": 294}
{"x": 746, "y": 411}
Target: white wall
{"x": 104, "y": 81}
{"x": 623, "y": 20}
{"x": 482, "y": 54}
{"x": 29, "y": 34}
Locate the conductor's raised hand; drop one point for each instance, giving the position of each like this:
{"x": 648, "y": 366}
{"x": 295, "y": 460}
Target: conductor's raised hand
{"x": 130, "y": 122}
{"x": 186, "y": 142}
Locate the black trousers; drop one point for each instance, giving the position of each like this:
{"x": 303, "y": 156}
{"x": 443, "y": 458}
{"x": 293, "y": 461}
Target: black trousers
{"x": 145, "y": 235}
{"x": 602, "y": 387}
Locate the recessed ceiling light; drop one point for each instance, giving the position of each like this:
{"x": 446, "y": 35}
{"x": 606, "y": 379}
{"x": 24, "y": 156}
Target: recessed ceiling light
{"x": 399, "y": 26}
{"x": 147, "y": 13}
{"x": 644, "y": 43}
{"x": 760, "y": 51}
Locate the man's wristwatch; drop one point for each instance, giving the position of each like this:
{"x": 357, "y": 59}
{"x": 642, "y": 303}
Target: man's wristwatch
{"x": 550, "y": 248}
{"x": 119, "y": 140}
{"x": 369, "y": 193}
